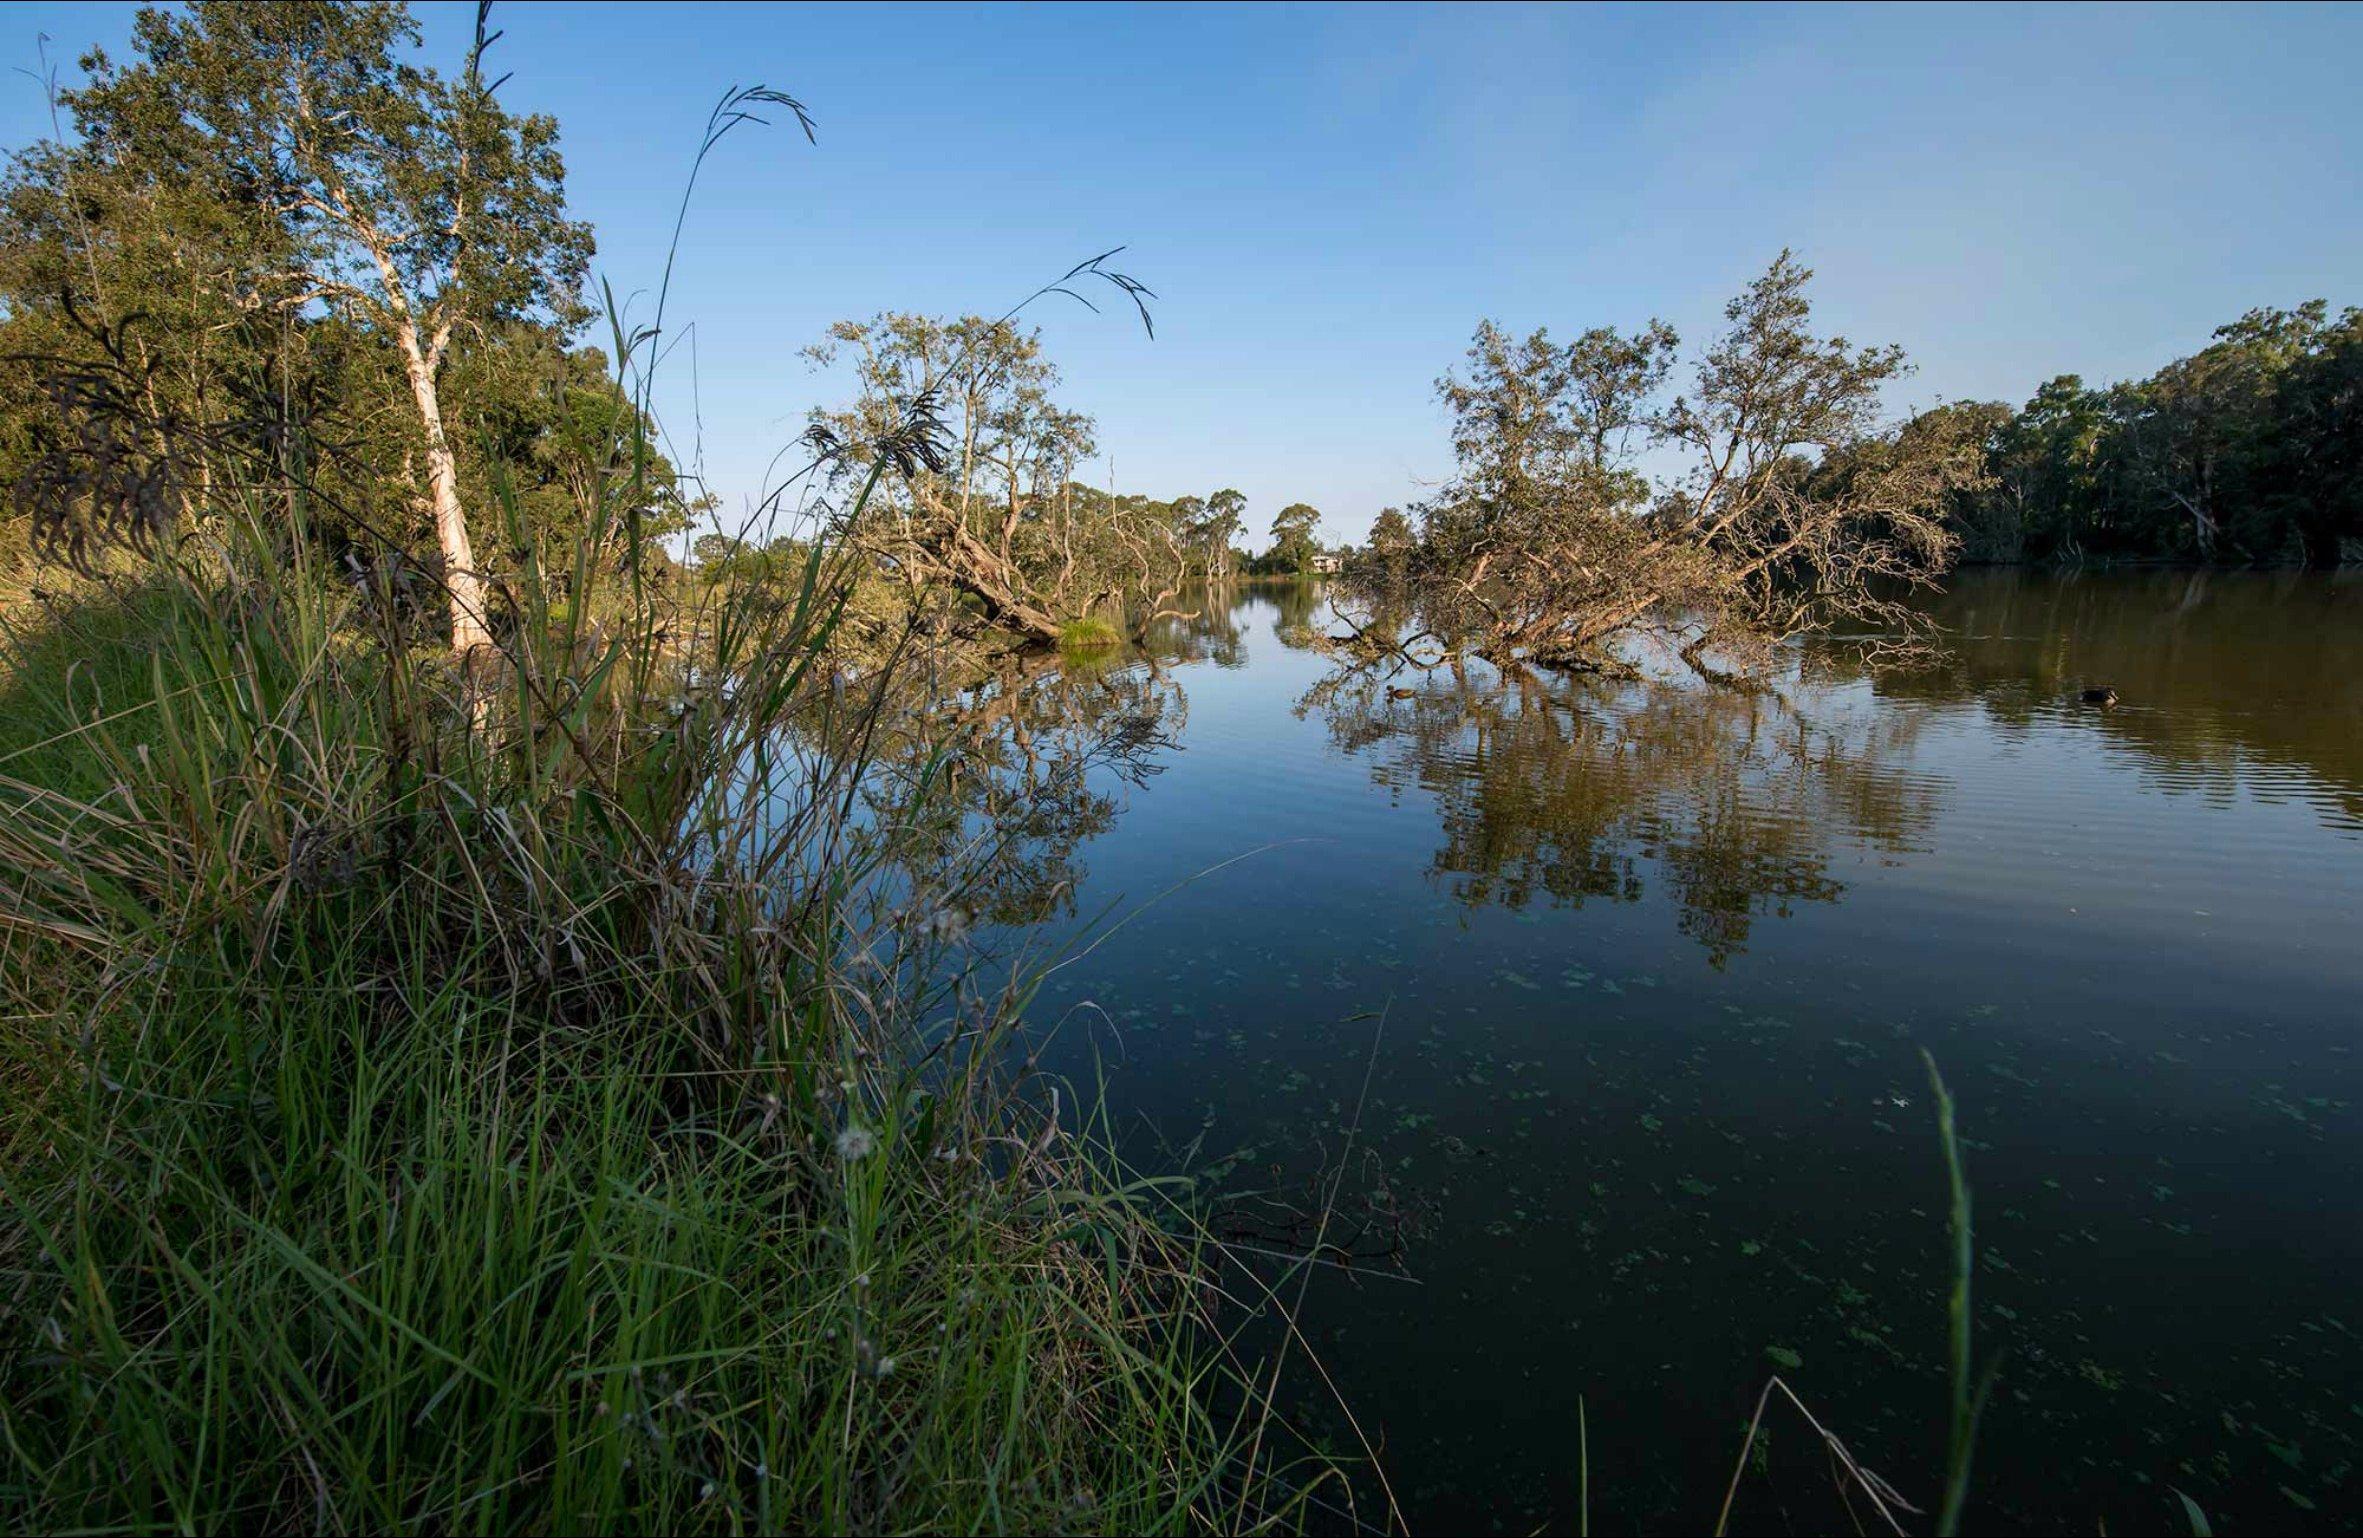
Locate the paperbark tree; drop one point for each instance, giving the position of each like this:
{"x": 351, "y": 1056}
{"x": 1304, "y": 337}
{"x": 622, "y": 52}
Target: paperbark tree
{"x": 1550, "y": 546}
{"x": 414, "y": 204}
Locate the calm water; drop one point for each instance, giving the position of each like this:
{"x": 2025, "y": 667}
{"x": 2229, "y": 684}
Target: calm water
{"x": 1639, "y": 977}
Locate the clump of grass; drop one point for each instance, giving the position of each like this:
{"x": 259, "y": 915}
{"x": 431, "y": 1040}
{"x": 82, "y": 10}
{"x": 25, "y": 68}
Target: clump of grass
{"x": 1087, "y": 635}
{"x": 527, "y": 1093}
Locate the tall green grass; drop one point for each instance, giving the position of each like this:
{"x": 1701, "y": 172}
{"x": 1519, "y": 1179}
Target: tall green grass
{"x": 527, "y": 1093}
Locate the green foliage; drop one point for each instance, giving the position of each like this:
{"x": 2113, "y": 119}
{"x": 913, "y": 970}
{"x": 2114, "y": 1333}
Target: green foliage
{"x": 450, "y": 1097}
{"x": 1226, "y": 516}
{"x": 1780, "y": 503}
{"x": 543, "y": 1088}
{"x": 354, "y": 172}
{"x": 1087, "y": 635}
{"x": 1383, "y": 564}
{"x": 2245, "y": 451}
{"x": 987, "y": 515}
{"x": 1296, "y": 531}
{"x": 271, "y": 242}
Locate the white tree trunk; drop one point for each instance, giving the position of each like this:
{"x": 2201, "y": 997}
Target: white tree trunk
{"x": 460, "y": 577}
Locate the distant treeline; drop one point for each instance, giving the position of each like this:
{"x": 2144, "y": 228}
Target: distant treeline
{"x": 2249, "y": 451}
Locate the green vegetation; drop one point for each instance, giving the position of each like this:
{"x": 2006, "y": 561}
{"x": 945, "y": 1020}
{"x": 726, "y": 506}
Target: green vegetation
{"x": 1087, "y": 635}
{"x": 271, "y": 227}
{"x": 986, "y": 528}
{"x": 514, "y": 1115}
{"x": 1778, "y": 505}
{"x": 489, "y": 1026}
{"x": 2248, "y": 451}
{"x": 1295, "y": 542}
{"x": 380, "y": 267}
{"x": 491, "y": 1042}
{"x": 1800, "y": 510}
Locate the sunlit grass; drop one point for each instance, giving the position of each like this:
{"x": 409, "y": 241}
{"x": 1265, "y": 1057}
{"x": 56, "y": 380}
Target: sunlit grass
{"x": 504, "y": 1096}
{"x": 1084, "y": 635}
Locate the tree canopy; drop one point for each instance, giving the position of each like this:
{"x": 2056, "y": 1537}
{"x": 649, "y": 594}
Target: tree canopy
{"x": 2250, "y": 450}
{"x": 1788, "y": 505}
{"x": 274, "y": 243}
{"x": 1295, "y": 536}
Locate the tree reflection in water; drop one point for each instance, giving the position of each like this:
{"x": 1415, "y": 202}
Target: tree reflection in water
{"x": 1003, "y": 784}
{"x": 1551, "y": 789}
{"x": 1565, "y": 788}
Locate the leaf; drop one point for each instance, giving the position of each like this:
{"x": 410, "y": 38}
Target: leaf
{"x": 1782, "y": 1356}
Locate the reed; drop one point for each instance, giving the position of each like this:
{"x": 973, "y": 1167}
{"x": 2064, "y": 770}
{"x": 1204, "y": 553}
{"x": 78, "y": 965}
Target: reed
{"x": 534, "y": 1091}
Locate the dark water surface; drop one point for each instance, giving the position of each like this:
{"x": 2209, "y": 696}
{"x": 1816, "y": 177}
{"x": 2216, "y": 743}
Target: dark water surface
{"x": 1646, "y": 1117}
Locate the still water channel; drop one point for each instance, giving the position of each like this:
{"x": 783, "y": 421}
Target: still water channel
{"x": 1639, "y": 977}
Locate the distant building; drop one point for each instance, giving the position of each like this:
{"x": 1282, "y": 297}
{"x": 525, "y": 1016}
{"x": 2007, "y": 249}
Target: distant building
{"x": 1326, "y": 565}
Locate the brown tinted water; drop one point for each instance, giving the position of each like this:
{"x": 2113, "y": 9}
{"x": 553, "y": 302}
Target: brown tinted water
{"x": 1639, "y": 977}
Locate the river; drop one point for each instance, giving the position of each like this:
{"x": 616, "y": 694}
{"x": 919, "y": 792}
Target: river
{"x": 1593, "y": 1013}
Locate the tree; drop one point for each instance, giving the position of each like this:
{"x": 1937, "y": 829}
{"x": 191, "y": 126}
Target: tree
{"x": 2046, "y": 464}
{"x": 1550, "y": 545}
{"x": 985, "y": 477}
{"x": 1226, "y": 515}
{"x": 984, "y": 501}
{"x": 1383, "y": 565}
{"x": 414, "y": 206}
{"x": 559, "y": 432}
{"x": 1295, "y": 537}
{"x": 2236, "y": 452}
{"x": 2312, "y": 461}
{"x": 1391, "y": 533}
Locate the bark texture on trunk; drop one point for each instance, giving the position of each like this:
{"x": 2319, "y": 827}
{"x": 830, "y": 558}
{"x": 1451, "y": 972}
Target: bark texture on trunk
{"x": 461, "y": 580}
{"x": 979, "y": 570}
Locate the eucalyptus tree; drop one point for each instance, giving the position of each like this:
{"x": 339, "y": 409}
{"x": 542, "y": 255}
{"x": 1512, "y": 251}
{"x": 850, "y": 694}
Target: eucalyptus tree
{"x": 2314, "y": 458}
{"x": 330, "y": 173}
{"x": 1383, "y": 565}
{"x": 1296, "y": 540}
{"x": 2198, "y": 435}
{"x": 982, "y": 476}
{"x": 2243, "y": 451}
{"x": 1225, "y": 517}
{"x": 554, "y": 433}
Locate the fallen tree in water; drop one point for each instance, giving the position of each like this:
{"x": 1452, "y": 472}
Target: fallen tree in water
{"x": 983, "y": 501}
{"x": 1590, "y": 516}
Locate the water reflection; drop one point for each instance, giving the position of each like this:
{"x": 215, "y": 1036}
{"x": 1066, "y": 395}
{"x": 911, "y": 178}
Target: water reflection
{"x": 1649, "y": 1137}
{"x": 2227, "y": 680}
{"x": 1568, "y": 789}
{"x": 1210, "y": 632}
{"x": 1006, "y": 782}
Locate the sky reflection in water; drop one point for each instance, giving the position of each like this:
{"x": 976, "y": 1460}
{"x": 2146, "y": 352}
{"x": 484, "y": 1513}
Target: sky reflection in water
{"x": 1646, "y": 1112}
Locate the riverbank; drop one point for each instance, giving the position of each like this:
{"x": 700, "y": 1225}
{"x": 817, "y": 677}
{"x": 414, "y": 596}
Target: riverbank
{"x": 533, "y": 1096}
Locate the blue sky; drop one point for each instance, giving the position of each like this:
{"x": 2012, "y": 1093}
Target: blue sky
{"x": 1328, "y": 199}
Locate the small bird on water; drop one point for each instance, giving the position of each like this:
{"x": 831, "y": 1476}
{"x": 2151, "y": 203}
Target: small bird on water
{"x": 2104, "y": 695}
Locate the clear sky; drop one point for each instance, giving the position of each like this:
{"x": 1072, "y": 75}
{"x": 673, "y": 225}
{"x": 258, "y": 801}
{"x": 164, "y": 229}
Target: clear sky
{"x": 1328, "y": 199}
